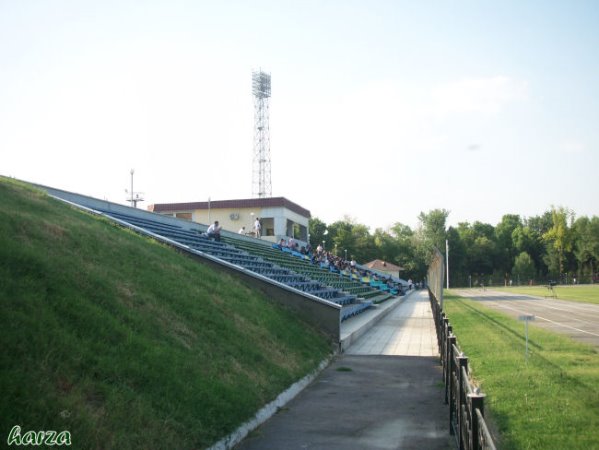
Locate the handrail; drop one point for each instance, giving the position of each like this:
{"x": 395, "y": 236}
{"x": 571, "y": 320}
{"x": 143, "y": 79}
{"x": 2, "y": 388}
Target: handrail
{"x": 466, "y": 402}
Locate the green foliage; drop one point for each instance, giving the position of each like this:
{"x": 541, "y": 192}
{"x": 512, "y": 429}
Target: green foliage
{"x": 124, "y": 342}
{"x": 524, "y": 267}
{"x": 586, "y": 245}
{"x": 317, "y": 229}
{"x": 527, "y": 239}
{"x": 477, "y": 251}
{"x": 432, "y": 231}
{"x": 505, "y": 248}
{"x": 560, "y": 234}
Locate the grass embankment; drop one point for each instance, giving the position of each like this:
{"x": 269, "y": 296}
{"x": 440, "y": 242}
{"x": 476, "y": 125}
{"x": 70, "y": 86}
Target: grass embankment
{"x": 549, "y": 402}
{"x": 125, "y": 343}
{"x": 584, "y": 293}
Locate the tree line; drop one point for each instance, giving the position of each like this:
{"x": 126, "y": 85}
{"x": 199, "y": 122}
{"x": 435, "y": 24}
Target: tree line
{"x": 555, "y": 246}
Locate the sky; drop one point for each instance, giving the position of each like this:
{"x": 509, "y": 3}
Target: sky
{"x": 380, "y": 110}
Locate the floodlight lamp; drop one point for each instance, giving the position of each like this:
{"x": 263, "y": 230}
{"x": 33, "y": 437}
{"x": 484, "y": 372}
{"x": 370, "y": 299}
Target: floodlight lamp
{"x": 261, "y": 84}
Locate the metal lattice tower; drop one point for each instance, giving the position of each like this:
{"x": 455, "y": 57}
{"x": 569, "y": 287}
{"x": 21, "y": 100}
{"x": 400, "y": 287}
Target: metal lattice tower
{"x": 261, "y": 184}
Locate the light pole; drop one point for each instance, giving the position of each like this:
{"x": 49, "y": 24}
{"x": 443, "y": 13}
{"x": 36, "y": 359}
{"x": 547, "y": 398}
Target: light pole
{"x": 135, "y": 197}
{"x": 447, "y": 260}
{"x": 345, "y": 254}
{"x": 132, "y": 200}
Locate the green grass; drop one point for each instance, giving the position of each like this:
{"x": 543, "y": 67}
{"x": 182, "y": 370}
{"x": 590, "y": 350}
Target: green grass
{"x": 584, "y": 293}
{"x": 549, "y": 402}
{"x": 125, "y": 343}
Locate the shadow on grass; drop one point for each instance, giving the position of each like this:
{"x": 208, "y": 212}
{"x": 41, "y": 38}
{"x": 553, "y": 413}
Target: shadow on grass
{"x": 497, "y": 323}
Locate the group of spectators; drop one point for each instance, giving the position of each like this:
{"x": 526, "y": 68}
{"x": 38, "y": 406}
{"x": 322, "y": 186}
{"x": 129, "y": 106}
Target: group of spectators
{"x": 257, "y": 229}
{"x": 294, "y": 246}
{"x": 338, "y": 264}
{"x": 320, "y": 256}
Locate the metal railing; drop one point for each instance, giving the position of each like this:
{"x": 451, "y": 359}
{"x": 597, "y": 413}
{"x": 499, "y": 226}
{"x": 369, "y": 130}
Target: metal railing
{"x": 466, "y": 402}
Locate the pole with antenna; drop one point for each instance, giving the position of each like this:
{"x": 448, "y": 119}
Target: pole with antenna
{"x": 134, "y": 196}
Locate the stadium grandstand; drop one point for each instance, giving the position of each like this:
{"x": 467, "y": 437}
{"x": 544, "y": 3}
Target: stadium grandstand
{"x": 330, "y": 291}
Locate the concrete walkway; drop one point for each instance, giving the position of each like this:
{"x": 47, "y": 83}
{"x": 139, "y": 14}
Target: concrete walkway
{"x": 408, "y": 330}
{"x": 384, "y": 392}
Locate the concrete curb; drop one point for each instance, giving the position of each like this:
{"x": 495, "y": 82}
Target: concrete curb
{"x": 270, "y": 409}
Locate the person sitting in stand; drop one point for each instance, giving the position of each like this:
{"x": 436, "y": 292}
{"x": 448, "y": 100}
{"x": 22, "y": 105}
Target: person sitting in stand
{"x": 242, "y": 230}
{"x": 214, "y": 231}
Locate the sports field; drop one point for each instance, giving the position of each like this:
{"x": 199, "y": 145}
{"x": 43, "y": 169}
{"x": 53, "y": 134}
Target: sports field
{"x": 585, "y": 293}
{"x": 549, "y": 400}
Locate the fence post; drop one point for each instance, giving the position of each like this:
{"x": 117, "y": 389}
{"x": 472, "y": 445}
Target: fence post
{"x": 476, "y": 402}
{"x": 450, "y": 342}
{"x": 444, "y": 324}
{"x": 462, "y": 364}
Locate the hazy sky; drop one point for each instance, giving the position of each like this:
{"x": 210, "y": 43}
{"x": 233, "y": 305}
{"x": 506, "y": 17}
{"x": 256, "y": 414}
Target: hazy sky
{"x": 379, "y": 109}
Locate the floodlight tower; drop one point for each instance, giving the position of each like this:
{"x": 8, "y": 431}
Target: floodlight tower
{"x": 261, "y": 184}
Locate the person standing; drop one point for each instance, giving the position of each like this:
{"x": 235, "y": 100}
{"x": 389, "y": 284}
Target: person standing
{"x": 257, "y": 227}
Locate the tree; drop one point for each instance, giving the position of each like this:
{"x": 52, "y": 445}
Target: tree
{"x": 364, "y": 248}
{"x": 407, "y": 258}
{"x": 340, "y": 236}
{"x": 524, "y": 267}
{"x": 586, "y": 244}
{"x": 482, "y": 252}
{"x": 457, "y": 258}
{"x": 317, "y": 229}
{"x": 387, "y": 247}
{"x": 432, "y": 231}
{"x": 505, "y": 248}
{"x": 527, "y": 239}
{"x": 560, "y": 235}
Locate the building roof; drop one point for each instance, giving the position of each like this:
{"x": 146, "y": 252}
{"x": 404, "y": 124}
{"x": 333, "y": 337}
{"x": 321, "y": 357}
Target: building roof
{"x": 270, "y": 202}
{"x": 383, "y": 266}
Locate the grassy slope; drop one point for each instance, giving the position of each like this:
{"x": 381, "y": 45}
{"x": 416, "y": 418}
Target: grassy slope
{"x": 125, "y": 343}
{"x": 551, "y": 402}
{"x": 584, "y": 293}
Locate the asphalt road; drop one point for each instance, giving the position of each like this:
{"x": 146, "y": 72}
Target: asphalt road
{"x": 580, "y": 321}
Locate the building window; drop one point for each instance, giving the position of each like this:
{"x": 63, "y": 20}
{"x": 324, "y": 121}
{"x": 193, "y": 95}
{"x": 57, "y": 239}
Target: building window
{"x": 184, "y": 216}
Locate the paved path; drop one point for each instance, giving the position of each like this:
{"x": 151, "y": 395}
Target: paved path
{"x": 408, "y": 330}
{"x": 580, "y": 321}
{"x": 372, "y": 397}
